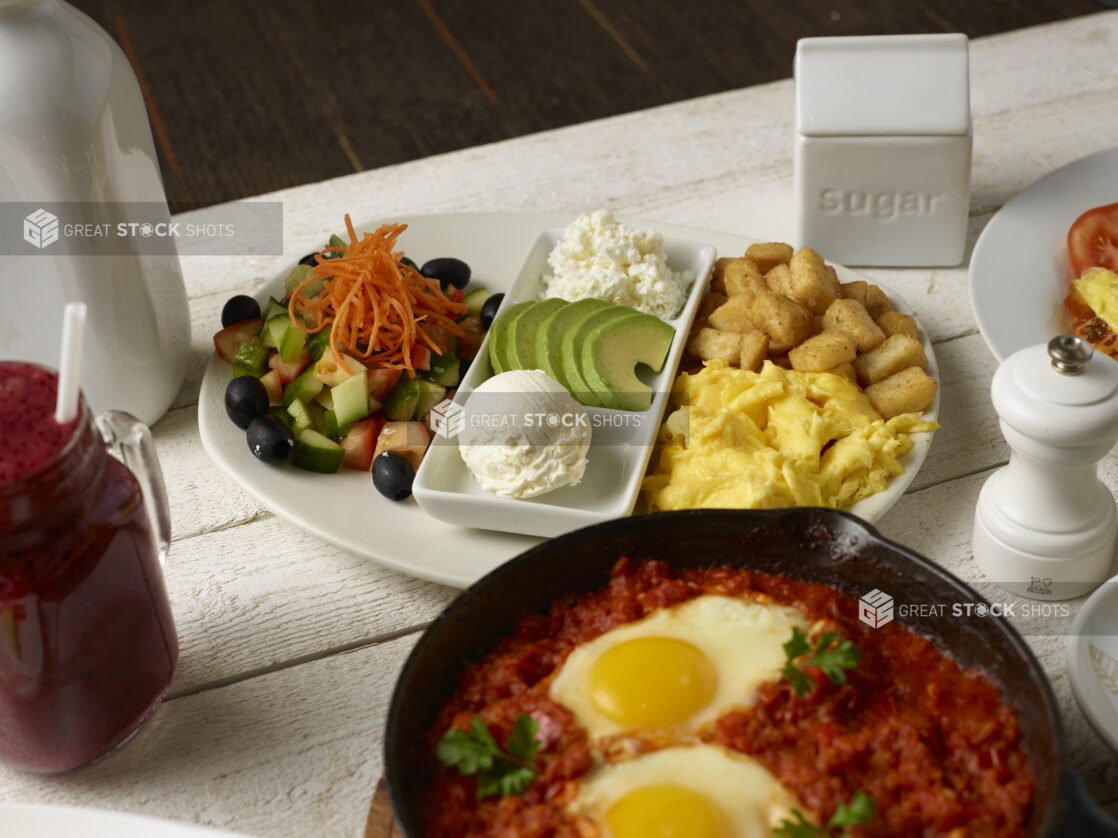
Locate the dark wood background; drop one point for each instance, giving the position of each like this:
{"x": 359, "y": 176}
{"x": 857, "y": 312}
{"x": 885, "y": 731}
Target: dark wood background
{"x": 247, "y": 97}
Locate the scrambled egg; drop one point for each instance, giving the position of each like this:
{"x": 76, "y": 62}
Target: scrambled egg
{"x": 1099, "y": 289}
{"x": 773, "y": 439}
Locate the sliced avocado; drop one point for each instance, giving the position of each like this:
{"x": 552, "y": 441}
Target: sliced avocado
{"x": 610, "y": 352}
{"x": 499, "y": 335}
{"x": 522, "y": 333}
{"x": 571, "y": 352}
{"x": 549, "y": 336}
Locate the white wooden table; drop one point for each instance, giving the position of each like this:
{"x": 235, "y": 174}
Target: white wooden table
{"x": 290, "y": 648}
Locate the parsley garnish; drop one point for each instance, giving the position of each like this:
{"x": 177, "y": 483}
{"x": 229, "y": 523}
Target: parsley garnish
{"x": 832, "y": 654}
{"x": 475, "y": 751}
{"x": 860, "y": 809}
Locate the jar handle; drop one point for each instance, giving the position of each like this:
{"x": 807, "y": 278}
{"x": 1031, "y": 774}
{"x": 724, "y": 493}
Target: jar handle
{"x": 129, "y": 440}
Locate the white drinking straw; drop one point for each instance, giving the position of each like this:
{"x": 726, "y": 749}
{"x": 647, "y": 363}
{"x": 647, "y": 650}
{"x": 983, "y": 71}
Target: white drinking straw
{"x": 70, "y": 362}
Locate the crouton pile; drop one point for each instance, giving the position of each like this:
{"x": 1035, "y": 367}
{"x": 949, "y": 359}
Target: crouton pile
{"x": 790, "y": 308}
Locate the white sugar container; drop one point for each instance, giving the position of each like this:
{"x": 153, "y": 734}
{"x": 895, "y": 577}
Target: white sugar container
{"x": 883, "y": 148}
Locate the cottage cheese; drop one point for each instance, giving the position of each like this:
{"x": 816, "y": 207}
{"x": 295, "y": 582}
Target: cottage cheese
{"x": 598, "y": 257}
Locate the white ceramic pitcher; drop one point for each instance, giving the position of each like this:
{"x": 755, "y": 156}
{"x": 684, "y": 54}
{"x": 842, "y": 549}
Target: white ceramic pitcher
{"x": 74, "y": 128}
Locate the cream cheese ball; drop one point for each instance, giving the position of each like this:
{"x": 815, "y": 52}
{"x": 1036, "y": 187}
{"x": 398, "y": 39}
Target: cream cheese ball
{"x": 524, "y": 435}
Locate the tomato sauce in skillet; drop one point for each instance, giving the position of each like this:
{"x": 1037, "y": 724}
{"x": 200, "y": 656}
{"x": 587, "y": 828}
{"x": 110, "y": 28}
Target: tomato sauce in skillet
{"x": 932, "y": 743}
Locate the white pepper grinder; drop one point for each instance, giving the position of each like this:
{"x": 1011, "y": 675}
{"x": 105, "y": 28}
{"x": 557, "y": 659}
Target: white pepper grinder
{"x": 1045, "y": 525}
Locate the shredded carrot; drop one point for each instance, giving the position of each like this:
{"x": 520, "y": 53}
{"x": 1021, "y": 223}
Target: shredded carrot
{"x": 374, "y": 305}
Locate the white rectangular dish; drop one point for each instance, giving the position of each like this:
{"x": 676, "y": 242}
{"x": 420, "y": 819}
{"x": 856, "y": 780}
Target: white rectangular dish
{"x": 621, "y": 441}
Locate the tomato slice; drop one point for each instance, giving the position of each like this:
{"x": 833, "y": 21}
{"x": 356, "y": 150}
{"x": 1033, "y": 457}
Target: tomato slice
{"x": 273, "y": 386}
{"x": 1093, "y": 240}
{"x": 289, "y": 370}
{"x": 360, "y": 442}
{"x": 381, "y": 381}
{"x": 231, "y": 337}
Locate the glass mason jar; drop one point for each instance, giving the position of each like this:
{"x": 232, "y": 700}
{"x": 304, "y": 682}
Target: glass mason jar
{"x": 87, "y": 641}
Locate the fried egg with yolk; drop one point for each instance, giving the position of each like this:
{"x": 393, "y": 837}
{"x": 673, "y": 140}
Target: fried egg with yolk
{"x": 690, "y": 791}
{"x": 679, "y": 668}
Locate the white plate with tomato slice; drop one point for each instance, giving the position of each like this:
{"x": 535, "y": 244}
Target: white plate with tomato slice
{"x": 1021, "y": 268}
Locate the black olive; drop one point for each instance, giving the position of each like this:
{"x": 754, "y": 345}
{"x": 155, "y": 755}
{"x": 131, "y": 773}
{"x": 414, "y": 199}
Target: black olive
{"x": 270, "y": 440}
{"x": 393, "y": 475}
{"x": 245, "y": 399}
{"x": 311, "y": 259}
{"x": 404, "y": 260}
{"x": 450, "y": 272}
{"x": 489, "y": 310}
{"x": 239, "y": 308}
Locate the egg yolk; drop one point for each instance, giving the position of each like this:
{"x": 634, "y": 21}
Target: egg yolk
{"x": 652, "y": 682}
{"x": 666, "y": 811}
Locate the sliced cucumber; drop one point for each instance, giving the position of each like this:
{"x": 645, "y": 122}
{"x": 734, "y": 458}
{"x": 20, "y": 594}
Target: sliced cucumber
{"x": 252, "y": 356}
{"x": 445, "y": 370}
{"x": 351, "y": 399}
{"x": 274, "y": 309}
{"x": 300, "y": 416}
{"x": 300, "y": 274}
{"x": 475, "y": 300}
{"x": 330, "y": 426}
{"x": 285, "y": 336}
{"x": 318, "y": 343}
{"x": 315, "y": 452}
{"x": 430, "y": 394}
{"x": 304, "y": 388}
{"x": 282, "y": 414}
{"x": 399, "y": 404}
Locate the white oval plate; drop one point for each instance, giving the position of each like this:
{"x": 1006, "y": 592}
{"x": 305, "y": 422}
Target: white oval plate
{"x": 1093, "y": 660}
{"x": 345, "y": 510}
{"x": 1018, "y": 271}
{"x": 26, "y": 820}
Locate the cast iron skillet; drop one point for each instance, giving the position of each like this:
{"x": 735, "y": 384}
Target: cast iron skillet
{"x": 816, "y": 545}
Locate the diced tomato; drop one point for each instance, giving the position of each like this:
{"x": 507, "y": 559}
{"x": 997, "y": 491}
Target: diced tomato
{"x": 272, "y": 386}
{"x": 381, "y": 381}
{"x": 420, "y": 357}
{"x": 1093, "y": 240}
{"x": 289, "y": 371}
{"x": 230, "y": 338}
{"x": 408, "y": 438}
{"x": 446, "y": 342}
{"x": 458, "y": 295}
{"x": 360, "y": 442}
{"x": 471, "y": 342}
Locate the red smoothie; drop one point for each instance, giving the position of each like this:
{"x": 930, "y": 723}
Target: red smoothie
{"x": 87, "y": 641}
{"x": 31, "y": 436}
